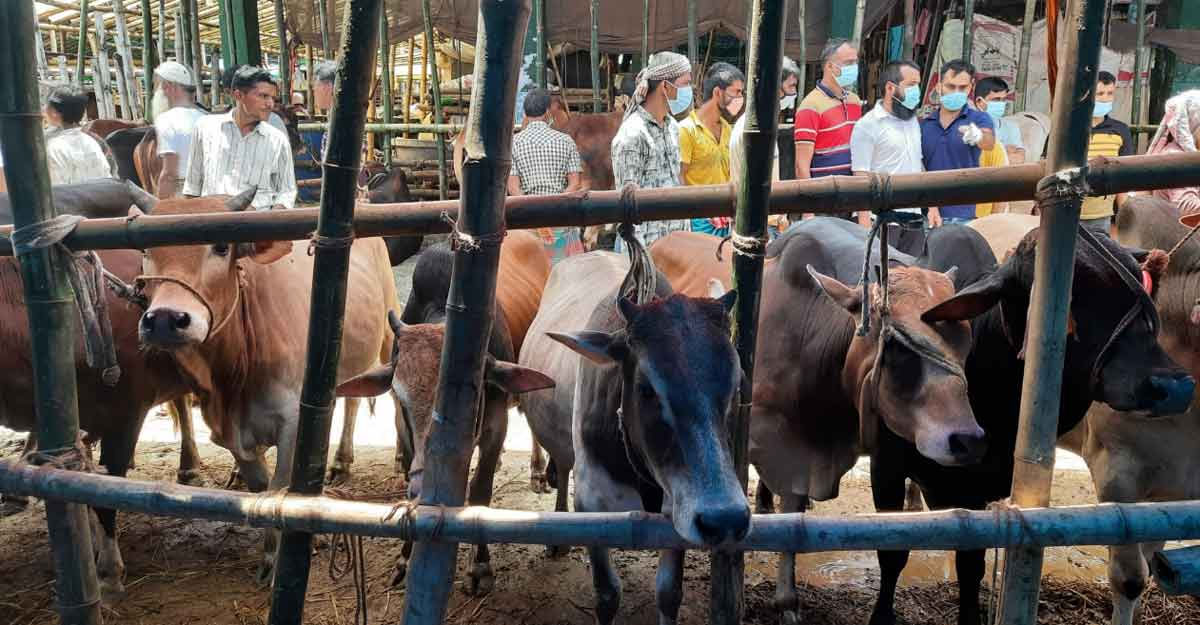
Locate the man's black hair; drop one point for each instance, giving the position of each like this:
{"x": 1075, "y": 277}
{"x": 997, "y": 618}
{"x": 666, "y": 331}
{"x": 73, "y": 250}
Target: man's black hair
{"x": 70, "y": 102}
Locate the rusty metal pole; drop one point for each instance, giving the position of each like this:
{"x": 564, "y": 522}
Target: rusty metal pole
{"x": 1061, "y": 193}
{"x": 1022, "y": 86}
{"x": 594, "y": 10}
{"x": 471, "y": 302}
{"x": 51, "y": 308}
{"x": 331, "y": 265}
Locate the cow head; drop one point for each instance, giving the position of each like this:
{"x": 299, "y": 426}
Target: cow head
{"x": 679, "y": 381}
{"x": 1112, "y": 353}
{"x": 194, "y": 290}
{"x": 412, "y": 375}
{"x": 908, "y": 373}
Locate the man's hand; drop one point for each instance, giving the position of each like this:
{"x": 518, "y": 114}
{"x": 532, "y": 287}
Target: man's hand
{"x": 279, "y": 207}
{"x": 971, "y": 134}
{"x": 935, "y": 218}
{"x": 864, "y": 218}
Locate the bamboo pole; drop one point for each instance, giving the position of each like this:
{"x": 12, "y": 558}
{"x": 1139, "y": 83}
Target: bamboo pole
{"x": 385, "y": 85}
{"x": 51, "y": 308}
{"x": 43, "y": 65}
{"x": 310, "y": 78}
{"x": 82, "y": 51}
{"x": 832, "y": 194}
{"x": 906, "y": 47}
{"x": 285, "y": 57}
{"x": 471, "y": 301}
{"x": 323, "y": 15}
{"x": 645, "y": 34}
{"x": 802, "y": 32}
{"x": 1095, "y": 524}
{"x": 183, "y": 36}
{"x": 1177, "y": 571}
{"x": 130, "y": 102}
{"x": 197, "y": 64}
{"x": 162, "y": 30}
{"x": 100, "y": 72}
{"x": 331, "y": 264}
{"x": 693, "y": 42}
{"x": 180, "y": 37}
{"x": 435, "y": 78}
{"x": 765, "y": 58}
{"x": 408, "y": 84}
{"x": 539, "y": 63}
{"x": 1023, "y": 60}
{"x": 1049, "y": 306}
{"x": 595, "y": 55}
{"x": 395, "y": 127}
{"x": 968, "y": 37}
{"x": 860, "y": 11}
{"x": 1139, "y": 61}
{"x": 229, "y": 52}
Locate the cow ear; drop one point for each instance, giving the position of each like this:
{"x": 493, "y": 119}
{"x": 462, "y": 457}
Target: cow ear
{"x": 373, "y": 383}
{"x": 728, "y": 300}
{"x": 970, "y": 302}
{"x": 241, "y": 201}
{"x": 266, "y": 252}
{"x": 951, "y": 273}
{"x": 141, "y": 198}
{"x": 135, "y": 212}
{"x": 844, "y": 296}
{"x": 599, "y": 347}
{"x": 515, "y": 379}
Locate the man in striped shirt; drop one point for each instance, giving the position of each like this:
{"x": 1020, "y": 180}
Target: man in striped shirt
{"x": 825, "y": 118}
{"x": 238, "y": 150}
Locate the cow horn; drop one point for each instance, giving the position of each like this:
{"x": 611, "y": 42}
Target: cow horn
{"x": 241, "y": 201}
{"x": 141, "y": 198}
{"x": 398, "y": 326}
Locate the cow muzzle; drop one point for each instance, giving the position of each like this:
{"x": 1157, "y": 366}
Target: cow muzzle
{"x": 1166, "y": 395}
{"x": 169, "y": 327}
{"x": 953, "y": 447}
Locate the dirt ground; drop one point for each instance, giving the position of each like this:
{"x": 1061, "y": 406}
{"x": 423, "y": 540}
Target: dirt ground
{"x": 186, "y": 572}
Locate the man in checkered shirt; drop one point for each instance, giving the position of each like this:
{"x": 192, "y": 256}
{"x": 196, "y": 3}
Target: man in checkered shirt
{"x": 544, "y": 162}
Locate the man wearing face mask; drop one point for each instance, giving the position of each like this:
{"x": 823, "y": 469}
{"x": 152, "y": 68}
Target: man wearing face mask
{"x": 645, "y": 151}
{"x": 825, "y": 118}
{"x": 1109, "y": 138}
{"x": 704, "y": 137}
{"x": 954, "y": 135}
{"x": 887, "y": 140}
{"x": 789, "y": 79}
{"x": 991, "y": 96}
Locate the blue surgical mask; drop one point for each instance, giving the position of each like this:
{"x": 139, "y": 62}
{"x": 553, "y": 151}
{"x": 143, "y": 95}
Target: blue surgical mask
{"x": 849, "y": 76}
{"x": 681, "y": 101}
{"x": 1101, "y": 109}
{"x": 996, "y": 108}
{"x": 912, "y": 97}
{"x": 954, "y": 101}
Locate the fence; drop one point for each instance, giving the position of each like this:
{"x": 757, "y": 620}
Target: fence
{"x": 437, "y": 522}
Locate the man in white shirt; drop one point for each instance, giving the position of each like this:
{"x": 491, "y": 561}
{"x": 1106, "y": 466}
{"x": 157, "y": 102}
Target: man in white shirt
{"x": 227, "y": 85}
{"x": 887, "y": 140}
{"x": 72, "y": 155}
{"x": 173, "y": 127}
{"x": 238, "y": 150}
{"x": 789, "y": 77}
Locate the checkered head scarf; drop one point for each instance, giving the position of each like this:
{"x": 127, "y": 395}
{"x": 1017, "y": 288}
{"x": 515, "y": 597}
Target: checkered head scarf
{"x": 1181, "y": 118}
{"x": 662, "y": 66}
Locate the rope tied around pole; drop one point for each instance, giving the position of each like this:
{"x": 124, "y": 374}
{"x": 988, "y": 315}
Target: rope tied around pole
{"x": 351, "y": 560}
{"x": 751, "y": 247}
{"x": 462, "y": 242}
{"x": 1061, "y": 187}
{"x": 319, "y": 241}
{"x": 641, "y": 281}
{"x": 77, "y": 457}
{"x": 86, "y": 273}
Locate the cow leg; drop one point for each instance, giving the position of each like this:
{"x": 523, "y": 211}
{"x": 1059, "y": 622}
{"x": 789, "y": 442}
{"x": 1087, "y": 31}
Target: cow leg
{"x": 537, "y": 470}
{"x": 480, "y": 578}
{"x": 180, "y": 410}
{"x": 970, "y": 566}
{"x": 786, "y": 600}
{"x": 1128, "y": 572}
{"x": 116, "y": 452}
{"x": 562, "y": 478}
{"x": 12, "y": 504}
{"x": 888, "y": 490}
{"x": 668, "y": 588}
{"x": 404, "y": 443}
{"x": 607, "y": 585}
{"x": 764, "y": 499}
{"x": 339, "y": 471}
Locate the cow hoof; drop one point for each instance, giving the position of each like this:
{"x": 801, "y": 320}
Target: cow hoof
{"x": 557, "y": 551}
{"x": 883, "y": 617}
{"x": 399, "y": 571}
{"x": 339, "y": 474}
{"x": 480, "y": 580}
{"x": 111, "y": 590}
{"x": 12, "y": 504}
{"x": 191, "y": 477}
{"x": 538, "y": 484}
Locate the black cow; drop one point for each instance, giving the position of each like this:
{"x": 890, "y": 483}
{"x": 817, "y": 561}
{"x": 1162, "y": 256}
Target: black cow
{"x": 390, "y": 186}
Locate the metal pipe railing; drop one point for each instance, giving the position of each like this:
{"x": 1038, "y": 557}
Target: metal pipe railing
{"x": 834, "y": 194}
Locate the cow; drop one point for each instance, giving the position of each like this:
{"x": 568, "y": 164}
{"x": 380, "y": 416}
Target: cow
{"x": 389, "y": 185}
{"x": 234, "y": 319}
{"x": 1107, "y": 360}
{"x": 111, "y": 414}
{"x": 654, "y": 391}
{"x": 690, "y": 260}
{"x": 412, "y": 376}
{"x": 1133, "y": 457}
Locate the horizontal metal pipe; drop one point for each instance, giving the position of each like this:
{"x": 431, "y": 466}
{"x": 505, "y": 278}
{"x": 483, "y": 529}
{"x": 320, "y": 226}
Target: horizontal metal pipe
{"x": 833, "y": 194}
{"x": 456, "y": 128}
{"x": 1103, "y": 524}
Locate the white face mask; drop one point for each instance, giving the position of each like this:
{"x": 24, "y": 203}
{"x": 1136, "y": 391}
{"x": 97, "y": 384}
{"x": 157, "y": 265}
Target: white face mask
{"x": 159, "y": 104}
{"x": 787, "y": 101}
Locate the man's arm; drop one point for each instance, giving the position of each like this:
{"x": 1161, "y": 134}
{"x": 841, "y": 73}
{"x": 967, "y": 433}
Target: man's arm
{"x": 285, "y": 197}
{"x": 514, "y": 184}
{"x": 194, "y": 183}
{"x": 574, "y": 182}
{"x": 804, "y": 154}
{"x": 3, "y": 182}
{"x": 862, "y": 160}
{"x": 628, "y": 158}
{"x": 574, "y": 169}
{"x": 168, "y": 180}
{"x": 1128, "y": 148}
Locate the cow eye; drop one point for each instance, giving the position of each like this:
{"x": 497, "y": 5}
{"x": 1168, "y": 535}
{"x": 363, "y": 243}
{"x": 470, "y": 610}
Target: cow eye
{"x": 221, "y": 249}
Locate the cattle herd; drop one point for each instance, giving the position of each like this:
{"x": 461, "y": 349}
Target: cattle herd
{"x": 633, "y": 397}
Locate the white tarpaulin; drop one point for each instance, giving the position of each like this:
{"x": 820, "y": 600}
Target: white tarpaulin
{"x": 996, "y": 47}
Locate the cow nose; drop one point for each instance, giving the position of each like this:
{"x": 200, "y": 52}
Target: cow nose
{"x": 720, "y": 525}
{"x": 1169, "y": 395}
{"x": 968, "y": 447}
{"x": 180, "y": 320}
{"x": 165, "y": 323}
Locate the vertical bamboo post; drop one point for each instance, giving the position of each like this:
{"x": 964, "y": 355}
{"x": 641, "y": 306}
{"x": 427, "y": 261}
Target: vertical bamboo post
{"x": 385, "y": 86}
{"x": 906, "y": 47}
{"x": 860, "y": 12}
{"x": 762, "y": 122}
{"x": 360, "y": 29}
{"x": 539, "y": 64}
{"x": 51, "y": 309}
{"x": 408, "y": 83}
{"x": 285, "y": 57}
{"x": 1050, "y": 303}
{"x": 693, "y": 43}
{"x": 1139, "y": 57}
{"x": 968, "y": 38}
{"x": 100, "y": 75}
{"x": 323, "y": 15}
{"x": 310, "y": 74}
{"x": 179, "y": 37}
{"x": 43, "y": 65}
{"x": 471, "y": 301}
{"x": 81, "y": 49}
{"x": 162, "y": 29}
{"x": 148, "y": 58}
{"x": 229, "y": 52}
{"x": 802, "y": 61}
{"x": 435, "y": 78}
{"x": 645, "y": 33}
{"x": 129, "y": 99}
{"x": 197, "y": 65}
{"x": 122, "y": 87}
{"x": 1023, "y": 60}
{"x": 595, "y": 55}
{"x": 184, "y": 35}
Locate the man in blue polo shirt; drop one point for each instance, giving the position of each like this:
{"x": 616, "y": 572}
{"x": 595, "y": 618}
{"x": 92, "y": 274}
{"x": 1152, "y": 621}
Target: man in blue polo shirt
{"x": 954, "y": 135}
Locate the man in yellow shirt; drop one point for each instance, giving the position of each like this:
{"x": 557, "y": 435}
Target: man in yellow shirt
{"x": 991, "y": 97}
{"x": 704, "y": 137}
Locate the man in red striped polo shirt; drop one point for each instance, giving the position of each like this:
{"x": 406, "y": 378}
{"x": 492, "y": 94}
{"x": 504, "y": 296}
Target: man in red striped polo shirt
{"x": 826, "y": 116}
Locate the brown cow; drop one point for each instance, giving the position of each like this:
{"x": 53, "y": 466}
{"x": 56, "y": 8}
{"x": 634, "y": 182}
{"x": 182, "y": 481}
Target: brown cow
{"x": 412, "y": 376}
{"x": 689, "y": 261}
{"x": 235, "y": 319}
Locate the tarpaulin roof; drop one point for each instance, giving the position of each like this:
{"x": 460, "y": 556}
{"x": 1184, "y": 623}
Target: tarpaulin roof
{"x": 569, "y": 21}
